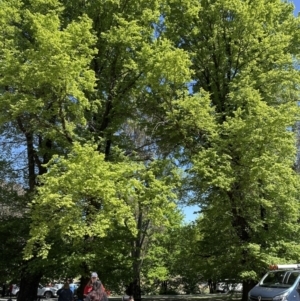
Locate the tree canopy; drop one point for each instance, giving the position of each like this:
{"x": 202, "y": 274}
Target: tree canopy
{"x": 121, "y": 109}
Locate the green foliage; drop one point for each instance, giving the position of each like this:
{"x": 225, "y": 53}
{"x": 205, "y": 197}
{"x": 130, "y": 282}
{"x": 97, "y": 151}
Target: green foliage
{"x": 103, "y": 91}
{"x": 240, "y": 148}
{"x": 87, "y": 196}
{"x": 74, "y": 70}
{"x": 44, "y": 68}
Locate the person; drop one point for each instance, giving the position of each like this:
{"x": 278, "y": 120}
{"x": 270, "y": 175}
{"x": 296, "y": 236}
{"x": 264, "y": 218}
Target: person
{"x": 97, "y": 293}
{"x": 10, "y": 290}
{"x": 87, "y": 288}
{"x": 72, "y": 286}
{"x": 64, "y": 293}
{"x": 129, "y": 292}
{"x": 3, "y": 289}
{"x": 127, "y": 298}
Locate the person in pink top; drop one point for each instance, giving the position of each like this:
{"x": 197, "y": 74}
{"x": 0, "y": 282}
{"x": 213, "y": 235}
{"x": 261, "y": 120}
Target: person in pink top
{"x": 94, "y": 290}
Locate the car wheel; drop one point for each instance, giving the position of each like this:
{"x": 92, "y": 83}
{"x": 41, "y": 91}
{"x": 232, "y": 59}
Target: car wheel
{"x": 48, "y": 295}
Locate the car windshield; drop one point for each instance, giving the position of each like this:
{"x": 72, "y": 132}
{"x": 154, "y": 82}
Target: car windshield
{"x": 280, "y": 279}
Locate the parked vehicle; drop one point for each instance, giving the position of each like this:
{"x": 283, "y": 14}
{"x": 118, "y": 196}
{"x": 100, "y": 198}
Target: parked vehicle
{"x": 228, "y": 286}
{"x": 58, "y": 285}
{"x": 281, "y": 283}
{"x": 47, "y": 292}
{"x": 15, "y": 290}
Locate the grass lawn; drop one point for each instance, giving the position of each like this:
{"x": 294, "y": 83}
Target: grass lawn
{"x": 200, "y": 297}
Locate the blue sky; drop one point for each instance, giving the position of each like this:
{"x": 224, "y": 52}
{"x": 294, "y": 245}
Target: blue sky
{"x": 297, "y": 4}
{"x": 189, "y": 211}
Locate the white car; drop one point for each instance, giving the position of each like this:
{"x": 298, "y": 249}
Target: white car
{"x": 47, "y": 292}
{"x": 58, "y": 285}
{"x": 15, "y": 290}
{"x": 225, "y": 287}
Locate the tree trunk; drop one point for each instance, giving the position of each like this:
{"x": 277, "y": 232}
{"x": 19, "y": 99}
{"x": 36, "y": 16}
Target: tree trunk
{"x": 28, "y": 285}
{"x": 247, "y": 286}
{"x": 136, "y": 288}
{"x": 29, "y": 279}
{"x": 137, "y": 296}
{"x": 83, "y": 282}
{"x": 164, "y": 287}
{"x": 137, "y": 245}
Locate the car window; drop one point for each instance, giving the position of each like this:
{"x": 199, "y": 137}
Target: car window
{"x": 279, "y": 279}
{"x": 292, "y": 277}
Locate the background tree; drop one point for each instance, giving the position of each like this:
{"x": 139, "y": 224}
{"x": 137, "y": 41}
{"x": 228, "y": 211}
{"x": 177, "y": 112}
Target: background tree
{"x": 214, "y": 91}
{"x": 90, "y": 197}
{"x": 41, "y": 69}
{"x": 242, "y": 154}
{"x": 48, "y": 90}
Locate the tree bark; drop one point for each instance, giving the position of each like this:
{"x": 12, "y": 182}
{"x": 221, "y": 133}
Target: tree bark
{"x": 28, "y": 285}
{"x": 30, "y": 279}
{"x": 247, "y": 286}
{"x": 136, "y": 254}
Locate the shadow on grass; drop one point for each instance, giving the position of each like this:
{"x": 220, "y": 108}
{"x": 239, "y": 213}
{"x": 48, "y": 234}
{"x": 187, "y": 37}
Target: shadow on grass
{"x": 200, "y": 297}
